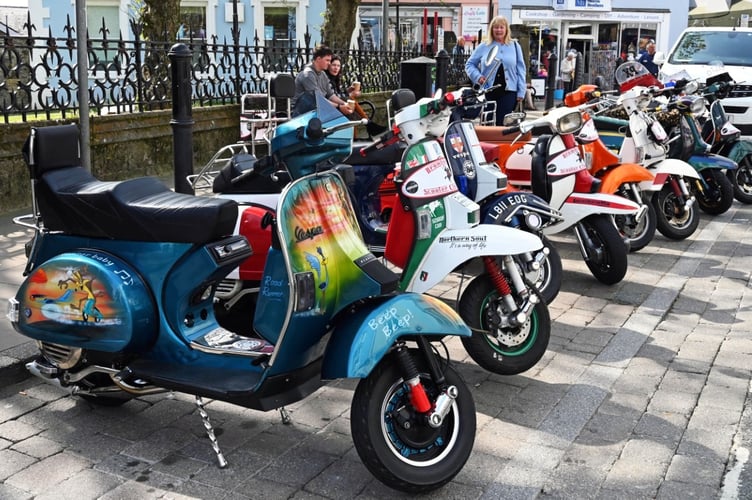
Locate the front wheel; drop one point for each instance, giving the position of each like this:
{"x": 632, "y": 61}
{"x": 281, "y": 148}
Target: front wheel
{"x": 547, "y": 278}
{"x": 606, "y": 249}
{"x": 741, "y": 180}
{"x": 499, "y": 343}
{"x": 718, "y": 193}
{"x": 674, "y": 219}
{"x": 396, "y": 443}
{"x": 638, "y": 234}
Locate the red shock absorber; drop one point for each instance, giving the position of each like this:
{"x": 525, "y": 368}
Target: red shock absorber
{"x": 499, "y": 280}
{"x": 418, "y": 397}
{"x": 676, "y": 188}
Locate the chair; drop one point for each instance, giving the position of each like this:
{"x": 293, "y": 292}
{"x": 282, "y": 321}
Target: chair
{"x": 261, "y": 113}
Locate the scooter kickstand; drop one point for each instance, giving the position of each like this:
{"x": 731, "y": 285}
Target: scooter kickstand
{"x": 210, "y": 432}
{"x": 286, "y": 418}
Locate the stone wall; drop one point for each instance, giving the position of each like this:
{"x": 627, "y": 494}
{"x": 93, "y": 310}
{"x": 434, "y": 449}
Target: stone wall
{"x": 131, "y": 145}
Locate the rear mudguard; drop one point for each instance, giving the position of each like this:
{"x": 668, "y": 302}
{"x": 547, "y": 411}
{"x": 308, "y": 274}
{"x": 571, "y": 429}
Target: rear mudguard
{"x": 739, "y": 150}
{"x": 581, "y": 205}
{"x": 362, "y": 336}
{"x": 456, "y": 246}
{"x": 622, "y": 174}
{"x": 665, "y": 168}
{"x": 718, "y": 162}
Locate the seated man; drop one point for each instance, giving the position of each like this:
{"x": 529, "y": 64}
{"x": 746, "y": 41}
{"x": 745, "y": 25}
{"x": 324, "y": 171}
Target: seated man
{"x": 314, "y": 80}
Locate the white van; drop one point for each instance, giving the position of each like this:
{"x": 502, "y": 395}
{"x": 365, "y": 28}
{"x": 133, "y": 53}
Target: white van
{"x": 703, "y": 52}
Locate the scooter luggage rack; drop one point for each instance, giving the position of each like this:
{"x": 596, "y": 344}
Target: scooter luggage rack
{"x": 202, "y": 181}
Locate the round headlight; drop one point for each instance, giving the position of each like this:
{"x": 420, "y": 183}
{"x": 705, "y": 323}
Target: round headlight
{"x": 698, "y": 106}
{"x": 569, "y": 123}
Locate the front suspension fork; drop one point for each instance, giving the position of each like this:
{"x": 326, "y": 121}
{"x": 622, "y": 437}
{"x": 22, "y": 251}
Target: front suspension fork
{"x": 518, "y": 315}
{"x": 437, "y": 411}
{"x": 681, "y": 192}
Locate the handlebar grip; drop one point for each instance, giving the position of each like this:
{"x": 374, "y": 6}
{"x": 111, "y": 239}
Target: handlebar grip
{"x": 514, "y": 129}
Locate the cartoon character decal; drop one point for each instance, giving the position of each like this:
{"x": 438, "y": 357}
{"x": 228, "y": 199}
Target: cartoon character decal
{"x": 70, "y": 293}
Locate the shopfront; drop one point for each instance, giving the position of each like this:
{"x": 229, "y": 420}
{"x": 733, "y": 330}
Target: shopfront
{"x": 602, "y": 38}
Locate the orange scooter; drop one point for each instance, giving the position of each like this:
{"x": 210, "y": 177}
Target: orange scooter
{"x": 618, "y": 178}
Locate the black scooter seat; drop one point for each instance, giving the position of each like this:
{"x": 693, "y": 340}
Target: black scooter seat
{"x": 387, "y": 155}
{"x": 141, "y": 209}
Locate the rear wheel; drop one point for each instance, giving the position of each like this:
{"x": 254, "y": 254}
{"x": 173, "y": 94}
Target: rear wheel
{"x": 718, "y": 193}
{"x": 396, "y": 443}
{"x": 741, "y": 180}
{"x": 498, "y": 343}
{"x": 674, "y": 219}
{"x": 606, "y": 249}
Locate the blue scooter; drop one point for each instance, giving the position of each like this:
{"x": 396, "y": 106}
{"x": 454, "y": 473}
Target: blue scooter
{"x": 119, "y": 293}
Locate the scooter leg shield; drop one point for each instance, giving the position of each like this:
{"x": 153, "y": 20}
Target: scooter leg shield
{"x": 362, "y": 337}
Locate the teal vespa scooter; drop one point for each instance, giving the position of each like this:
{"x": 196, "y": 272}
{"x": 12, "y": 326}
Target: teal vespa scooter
{"x": 119, "y": 294}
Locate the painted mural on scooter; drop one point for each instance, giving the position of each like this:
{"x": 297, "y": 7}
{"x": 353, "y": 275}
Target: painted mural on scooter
{"x": 323, "y": 238}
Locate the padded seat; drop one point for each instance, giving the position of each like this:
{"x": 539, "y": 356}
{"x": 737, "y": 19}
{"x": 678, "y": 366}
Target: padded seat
{"x": 71, "y": 200}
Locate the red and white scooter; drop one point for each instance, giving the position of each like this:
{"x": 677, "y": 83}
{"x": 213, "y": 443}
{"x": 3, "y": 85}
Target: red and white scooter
{"x": 558, "y": 174}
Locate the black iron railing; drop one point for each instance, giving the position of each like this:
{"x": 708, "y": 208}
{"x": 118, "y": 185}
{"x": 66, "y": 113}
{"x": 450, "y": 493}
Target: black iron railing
{"x": 38, "y": 74}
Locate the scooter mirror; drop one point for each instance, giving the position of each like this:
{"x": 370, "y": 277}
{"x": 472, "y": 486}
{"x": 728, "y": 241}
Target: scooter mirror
{"x": 659, "y": 58}
{"x": 513, "y": 118}
{"x": 491, "y": 55}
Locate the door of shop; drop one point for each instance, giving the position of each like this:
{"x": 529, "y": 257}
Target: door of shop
{"x": 584, "y": 47}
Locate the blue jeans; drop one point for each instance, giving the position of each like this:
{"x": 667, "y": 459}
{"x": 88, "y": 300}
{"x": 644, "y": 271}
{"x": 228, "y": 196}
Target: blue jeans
{"x": 505, "y": 104}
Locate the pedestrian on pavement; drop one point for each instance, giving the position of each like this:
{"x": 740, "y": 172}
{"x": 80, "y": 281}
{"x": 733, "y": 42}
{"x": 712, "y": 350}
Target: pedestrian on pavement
{"x": 507, "y": 69}
{"x": 568, "y": 65}
{"x": 646, "y": 58}
{"x": 351, "y": 95}
{"x": 458, "y": 53}
{"x": 313, "y": 80}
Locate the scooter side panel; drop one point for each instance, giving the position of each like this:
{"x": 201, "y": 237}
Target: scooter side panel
{"x": 455, "y": 246}
{"x": 739, "y": 150}
{"x": 89, "y": 299}
{"x": 701, "y": 162}
{"x": 363, "y": 337}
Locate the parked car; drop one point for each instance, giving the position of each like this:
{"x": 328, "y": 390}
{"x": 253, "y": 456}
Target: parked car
{"x": 704, "y": 52}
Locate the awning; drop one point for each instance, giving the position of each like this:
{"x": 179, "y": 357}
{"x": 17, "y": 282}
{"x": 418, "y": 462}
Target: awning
{"x": 743, "y": 6}
{"x": 709, "y": 8}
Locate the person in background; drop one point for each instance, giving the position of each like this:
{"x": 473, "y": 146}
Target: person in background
{"x": 507, "y": 70}
{"x": 350, "y": 94}
{"x": 646, "y": 58}
{"x": 313, "y": 80}
{"x": 334, "y": 73}
{"x": 458, "y": 52}
{"x": 567, "y": 68}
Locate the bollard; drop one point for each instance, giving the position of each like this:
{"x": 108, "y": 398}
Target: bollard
{"x": 182, "y": 117}
{"x": 442, "y": 70}
{"x": 553, "y": 70}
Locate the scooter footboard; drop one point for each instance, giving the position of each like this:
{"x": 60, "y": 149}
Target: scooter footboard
{"x": 362, "y": 337}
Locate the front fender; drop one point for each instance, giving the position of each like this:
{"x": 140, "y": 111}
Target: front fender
{"x": 362, "y": 337}
{"x": 622, "y": 174}
{"x": 581, "y": 205}
{"x": 453, "y": 247}
{"x": 739, "y": 150}
{"x": 665, "y": 168}
{"x": 702, "y": 162}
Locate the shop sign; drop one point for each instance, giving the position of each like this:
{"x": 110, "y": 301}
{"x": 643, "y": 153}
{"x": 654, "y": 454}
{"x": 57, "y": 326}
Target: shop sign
{"x": 587, "y": 5}
{"x": 473, "y": 20}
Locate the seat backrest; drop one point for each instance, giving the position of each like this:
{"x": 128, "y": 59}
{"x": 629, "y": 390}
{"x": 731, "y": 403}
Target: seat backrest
{"x": 51, "y": 148}
{"x": 281, "y": 92}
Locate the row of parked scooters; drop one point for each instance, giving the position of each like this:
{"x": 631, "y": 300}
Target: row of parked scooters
{"x": 312, "y": 263}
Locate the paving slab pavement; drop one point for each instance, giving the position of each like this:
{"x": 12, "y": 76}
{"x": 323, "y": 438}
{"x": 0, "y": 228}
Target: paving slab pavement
{"x": 642, "y": 394}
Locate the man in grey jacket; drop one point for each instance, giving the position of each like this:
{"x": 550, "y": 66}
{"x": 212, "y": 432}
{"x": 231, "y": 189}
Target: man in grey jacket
{"x": 313, "y": 80}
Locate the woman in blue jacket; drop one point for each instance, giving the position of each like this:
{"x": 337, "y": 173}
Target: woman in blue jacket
{"x": 507, "y": 69}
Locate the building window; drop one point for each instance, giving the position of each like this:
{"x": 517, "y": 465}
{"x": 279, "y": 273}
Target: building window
{"x": 192, "y": 23}
{"x": 279, "y": 27}
{"x": 98, "y": 19}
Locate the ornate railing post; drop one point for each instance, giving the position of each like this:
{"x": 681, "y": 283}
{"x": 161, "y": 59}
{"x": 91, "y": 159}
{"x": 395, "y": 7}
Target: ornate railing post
{"x": 182, "y": 116}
